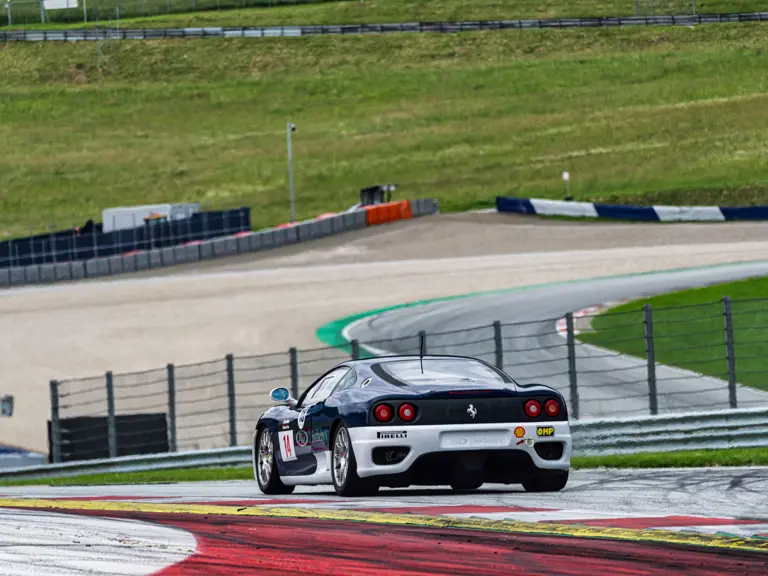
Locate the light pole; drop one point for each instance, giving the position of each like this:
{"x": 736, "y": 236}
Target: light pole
{"x": 290, "y": 127}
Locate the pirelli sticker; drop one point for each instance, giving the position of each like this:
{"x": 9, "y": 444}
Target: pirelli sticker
{"x": 545, "y": 431}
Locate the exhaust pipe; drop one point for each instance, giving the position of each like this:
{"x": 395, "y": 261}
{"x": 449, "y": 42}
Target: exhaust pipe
{"x": 392, "y": 456}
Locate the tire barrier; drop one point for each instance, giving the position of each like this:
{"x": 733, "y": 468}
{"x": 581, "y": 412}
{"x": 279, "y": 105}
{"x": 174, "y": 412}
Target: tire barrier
{"x": 389, "y": 212}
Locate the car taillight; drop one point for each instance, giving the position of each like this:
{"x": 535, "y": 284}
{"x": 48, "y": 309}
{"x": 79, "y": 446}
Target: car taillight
{"x": 552, "y": 407}
{"x": 532, "y": 409}
{"x": 383, "y": 413}
{"x": 407, "y": 412}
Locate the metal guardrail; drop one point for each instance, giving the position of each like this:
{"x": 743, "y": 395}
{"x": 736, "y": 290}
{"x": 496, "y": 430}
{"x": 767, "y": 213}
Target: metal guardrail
{"x": 237, "y": 456}
{"x": 98, "y": 34}
{"x": 131, "y": 261}
{"x": 691, "y": 431}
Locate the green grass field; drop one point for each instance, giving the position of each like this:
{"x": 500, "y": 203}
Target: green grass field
{"x": 689, "y": 330}
{"x": 684, "y": 459}
{"x": 635, "y": 114}
{"x": 173, "y": 13}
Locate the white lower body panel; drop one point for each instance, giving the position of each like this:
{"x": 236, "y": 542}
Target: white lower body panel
{"x": 457, "y": 437}
{"x": 322, "y": 474}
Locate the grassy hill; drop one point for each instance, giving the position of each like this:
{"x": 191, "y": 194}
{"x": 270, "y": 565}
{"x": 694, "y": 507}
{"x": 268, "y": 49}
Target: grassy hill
{"x": 676, "y": 113}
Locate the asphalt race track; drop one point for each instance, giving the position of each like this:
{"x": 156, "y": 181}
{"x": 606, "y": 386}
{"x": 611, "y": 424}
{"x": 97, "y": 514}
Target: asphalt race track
{"x": 535, "y": 351}
{"x": 719, "y": 492}
{"x": 651, "y": 514}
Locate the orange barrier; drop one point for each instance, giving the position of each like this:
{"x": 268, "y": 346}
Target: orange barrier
{"x": 389, "y": 212}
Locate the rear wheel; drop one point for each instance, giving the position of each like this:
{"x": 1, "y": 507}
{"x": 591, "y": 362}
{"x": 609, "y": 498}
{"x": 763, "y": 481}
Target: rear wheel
{"x": 265, "y": 466}
{"x": 346, "y": 482}
{"x": 547, "y": 481}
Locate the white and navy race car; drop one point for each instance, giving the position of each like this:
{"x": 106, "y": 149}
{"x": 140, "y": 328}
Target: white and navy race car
{"x": 413, "y": 420}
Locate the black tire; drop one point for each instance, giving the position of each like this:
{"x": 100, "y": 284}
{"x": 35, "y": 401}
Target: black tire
{"x": 352, "y": 484}
{"x": 547, "y": 481}
{"x": 466, "y": 485}
{"x": 273, "y": 484}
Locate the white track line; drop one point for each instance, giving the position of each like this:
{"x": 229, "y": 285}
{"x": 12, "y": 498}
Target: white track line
{"x": 33, "y": 543}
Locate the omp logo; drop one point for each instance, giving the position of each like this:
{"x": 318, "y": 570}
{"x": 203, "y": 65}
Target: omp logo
{"x": 545, "y": 431}
{"x": 391, "y": 435}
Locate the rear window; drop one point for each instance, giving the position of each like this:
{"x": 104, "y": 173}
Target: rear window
{"x": 442, "y": 370}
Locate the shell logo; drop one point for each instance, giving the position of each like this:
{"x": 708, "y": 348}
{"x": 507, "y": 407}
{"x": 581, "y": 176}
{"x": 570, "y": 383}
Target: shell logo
{"x": 519, "y": 432}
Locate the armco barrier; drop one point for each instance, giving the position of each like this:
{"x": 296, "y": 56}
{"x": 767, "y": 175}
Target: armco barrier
{"x": 719, "y": 429}
{"x": 204, "y": 250}
{"x": 543, "y": 207}
{"x": 689, "y": 431}
{"x": 98, "y": 34}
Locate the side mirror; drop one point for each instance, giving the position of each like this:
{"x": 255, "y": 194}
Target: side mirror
{"x": 282, "y": 396}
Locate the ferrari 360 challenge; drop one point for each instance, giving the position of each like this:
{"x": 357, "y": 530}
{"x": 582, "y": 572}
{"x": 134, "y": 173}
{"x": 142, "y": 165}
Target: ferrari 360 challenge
{"x": 413, "y": 420}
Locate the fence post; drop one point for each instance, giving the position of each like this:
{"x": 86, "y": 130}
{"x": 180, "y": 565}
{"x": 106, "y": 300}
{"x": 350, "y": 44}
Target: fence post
{"x": 171, "y": 408}
{"x": 355, "y": 349}
{"x": 231, "y": 397}
{"x": 498, "y": 344}
{"x": 293, "y": 355}
{"x": 55, "y": 423}
{"x": 730, "y": 355}
{"x": 423, "y": 343}
{"x": 111, "y": 420}
{"x": 651, "y": 354}
{"x": 572, "y": 378}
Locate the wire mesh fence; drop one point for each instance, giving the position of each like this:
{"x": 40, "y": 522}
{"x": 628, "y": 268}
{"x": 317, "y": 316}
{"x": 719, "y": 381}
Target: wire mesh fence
{"x": 131, "y": 235}
{"x": 618, "y": 363}
{"x": 25, "y": 12}
{"x": 20, "y": 12}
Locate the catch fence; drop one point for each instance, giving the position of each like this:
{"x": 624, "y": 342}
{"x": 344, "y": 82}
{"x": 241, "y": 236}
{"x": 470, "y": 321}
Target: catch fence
{"x": 617, "y": 364}
{"x": 92, "y": 241}
{"x": 28, "y": 12}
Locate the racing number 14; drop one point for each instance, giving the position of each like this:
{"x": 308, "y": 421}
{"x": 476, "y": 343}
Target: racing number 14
{"x": 287, "y": 448}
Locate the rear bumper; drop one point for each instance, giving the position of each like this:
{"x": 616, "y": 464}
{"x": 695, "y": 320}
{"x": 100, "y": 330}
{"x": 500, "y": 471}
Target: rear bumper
{"x": 423, "y": 440}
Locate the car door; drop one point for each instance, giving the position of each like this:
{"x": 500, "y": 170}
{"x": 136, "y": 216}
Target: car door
{"x": 323, "y": 415}
{"x": 294, "y": 456}
{"x": 294, "y": 435}
{"x": 315, "y": 418}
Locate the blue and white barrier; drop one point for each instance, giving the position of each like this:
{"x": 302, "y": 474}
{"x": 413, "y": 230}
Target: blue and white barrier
{"x": 542, "y": 207}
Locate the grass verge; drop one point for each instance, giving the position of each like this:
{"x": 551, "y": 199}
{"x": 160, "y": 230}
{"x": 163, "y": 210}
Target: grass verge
{"x": 462, "y": 117}
{"x": 685, "y": 459}
{"x": 689, "y": 330}
{"x": 151, "y": 13}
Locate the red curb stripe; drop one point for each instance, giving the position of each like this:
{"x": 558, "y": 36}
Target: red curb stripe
{"x": 282, "y": 547}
